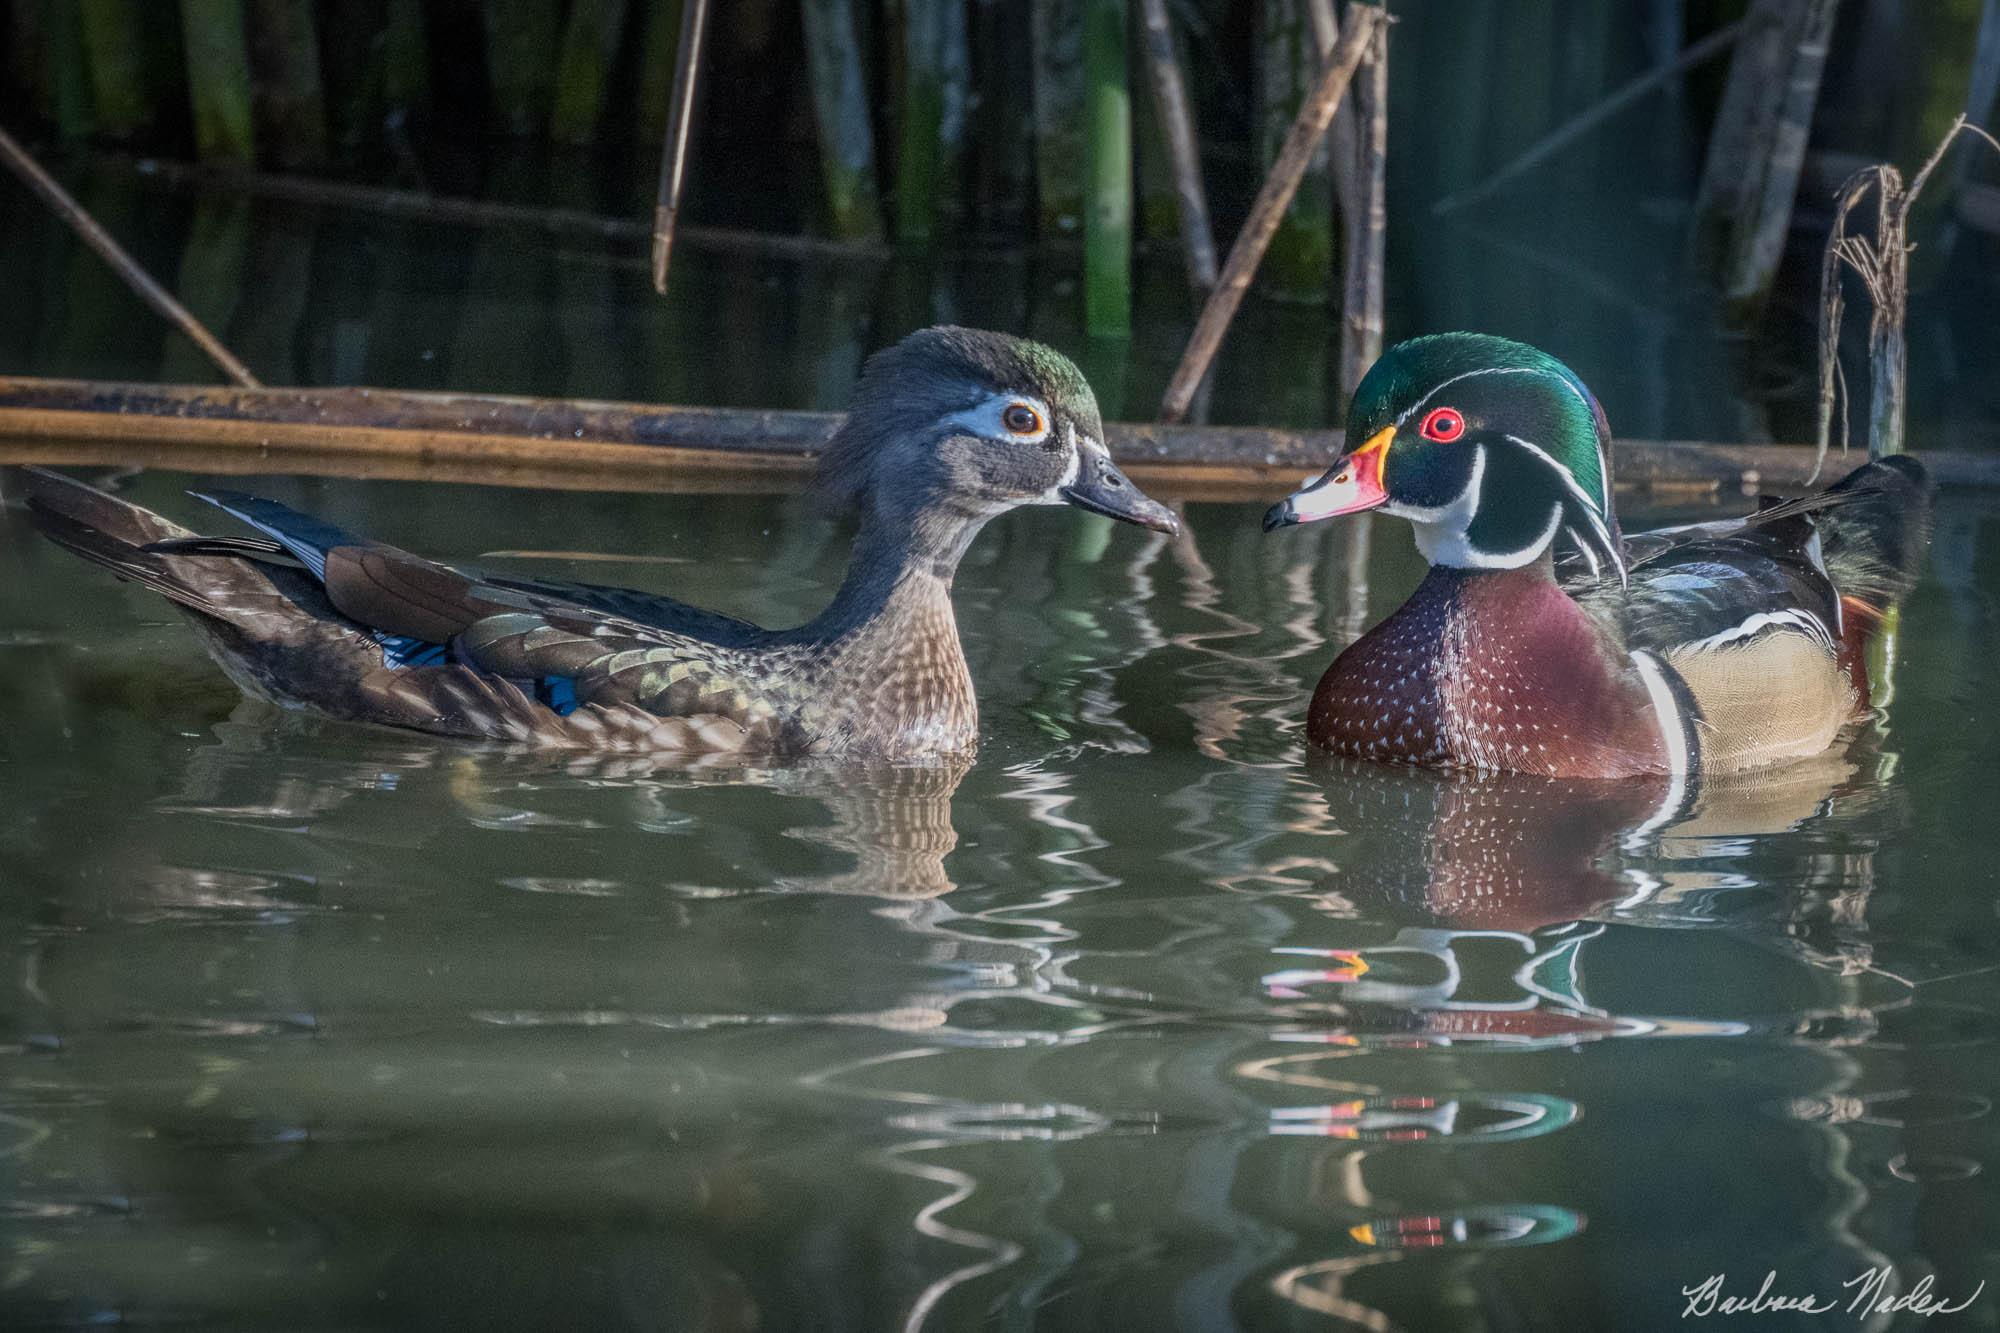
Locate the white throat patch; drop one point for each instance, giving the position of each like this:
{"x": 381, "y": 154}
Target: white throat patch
{"x": 1441, "y": 532}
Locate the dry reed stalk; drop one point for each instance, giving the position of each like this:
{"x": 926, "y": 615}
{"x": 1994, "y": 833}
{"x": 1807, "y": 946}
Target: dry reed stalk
{"x": 1883, "y": 265}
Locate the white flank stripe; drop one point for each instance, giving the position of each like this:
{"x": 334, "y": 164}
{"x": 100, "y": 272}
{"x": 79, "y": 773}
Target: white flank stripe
{"x": 1804, "y": 621}
{"x": 1672, "y": 733}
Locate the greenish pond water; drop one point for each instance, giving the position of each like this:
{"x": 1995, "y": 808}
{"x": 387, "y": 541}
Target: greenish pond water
{"x": 1143, "y": 1021}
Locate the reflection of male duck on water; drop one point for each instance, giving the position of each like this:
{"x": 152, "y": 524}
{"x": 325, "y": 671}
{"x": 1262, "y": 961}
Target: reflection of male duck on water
{"x": 1512, "y": 878}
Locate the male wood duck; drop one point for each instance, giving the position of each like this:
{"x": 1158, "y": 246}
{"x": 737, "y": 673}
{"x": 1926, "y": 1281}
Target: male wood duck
{"x": 1710, "y": 647}
{"x": 948, "y": 429}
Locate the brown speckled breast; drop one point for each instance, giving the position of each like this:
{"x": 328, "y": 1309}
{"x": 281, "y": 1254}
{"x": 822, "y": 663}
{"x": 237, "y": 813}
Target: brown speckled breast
{"x": 897, "y": 687}
{"x": 1488, "y": 669}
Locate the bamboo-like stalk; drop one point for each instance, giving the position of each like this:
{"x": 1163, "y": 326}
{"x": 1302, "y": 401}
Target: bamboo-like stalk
{"x": 117, "y": 67}
{"x": 583, "y": 68}
{"x": 218, "y": 74}
{"x": 1366, "y": 220}
{"x": 1056, "y": 31}
{"x": 936, "y": 70}
{"x": 290, "y": 102}
{"x": 1107, "y": 219}
{"x": 1315, "y": 113}
{"x": 1299, "y": 265}
{"x": 1176, "y": 122}
{"x": 840, "y": 106}
{"x": 1758, "y": 242}
{"x": 680, "y": 121}
{"x": 141, "y": 282}
{"x": 520, "y": 34}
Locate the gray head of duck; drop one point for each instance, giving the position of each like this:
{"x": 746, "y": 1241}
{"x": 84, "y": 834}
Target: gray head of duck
{"x": 1491, "y": 448}
{"x": 962, "y": 424}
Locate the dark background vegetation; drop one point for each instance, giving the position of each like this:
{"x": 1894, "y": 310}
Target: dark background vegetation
{"x": 561, "y": 103}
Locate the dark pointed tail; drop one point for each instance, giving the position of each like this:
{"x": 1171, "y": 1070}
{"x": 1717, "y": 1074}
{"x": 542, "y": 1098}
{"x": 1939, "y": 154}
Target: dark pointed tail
{"x": 1874, "y": 540}
{"x": 113, "y": 533}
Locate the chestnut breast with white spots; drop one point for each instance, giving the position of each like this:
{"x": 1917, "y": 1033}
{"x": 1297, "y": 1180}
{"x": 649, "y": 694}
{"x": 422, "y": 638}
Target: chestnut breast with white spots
{"x": 1488, "y": 670}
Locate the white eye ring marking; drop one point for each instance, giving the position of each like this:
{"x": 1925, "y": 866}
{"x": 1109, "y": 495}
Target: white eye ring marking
{"x": 988, "y": 419}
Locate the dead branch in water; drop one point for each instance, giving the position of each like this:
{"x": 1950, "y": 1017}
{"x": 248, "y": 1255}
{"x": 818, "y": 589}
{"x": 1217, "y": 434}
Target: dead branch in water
{"x": 673, "y": 157}
{"x": 1315, "y": 113}
{"x": 128, "y": 268}
{"x": 1883, "y": 265}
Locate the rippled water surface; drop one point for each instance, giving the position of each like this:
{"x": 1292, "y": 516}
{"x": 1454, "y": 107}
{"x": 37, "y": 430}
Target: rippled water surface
{"x": 1143, "y": 1021}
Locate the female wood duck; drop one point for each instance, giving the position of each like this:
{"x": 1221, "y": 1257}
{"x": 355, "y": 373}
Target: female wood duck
{"x": 1711, "y": 647}
{"x": 949, "y": 428}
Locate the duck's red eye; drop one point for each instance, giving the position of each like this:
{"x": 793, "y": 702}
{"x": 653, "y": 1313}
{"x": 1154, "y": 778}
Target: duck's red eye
{"x": 1444, "y": 424}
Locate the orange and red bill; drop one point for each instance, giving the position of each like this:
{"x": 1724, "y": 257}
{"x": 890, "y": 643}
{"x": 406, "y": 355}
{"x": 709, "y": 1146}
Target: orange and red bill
{"x": 1352, "y": 484}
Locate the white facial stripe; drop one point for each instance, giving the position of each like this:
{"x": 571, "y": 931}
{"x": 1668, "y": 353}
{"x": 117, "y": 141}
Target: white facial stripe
{"x": 1075, "y": 468}
{"x": 1589, "y": 509}
{"x": 1603, "y": 468}
{"x": 984, "y": 418}
{"x": 1077, "y": 444}
{"x": 1490, "y": 370}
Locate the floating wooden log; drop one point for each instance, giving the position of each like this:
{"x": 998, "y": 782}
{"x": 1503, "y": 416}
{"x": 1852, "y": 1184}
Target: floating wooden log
{"x": 597, "y": 445}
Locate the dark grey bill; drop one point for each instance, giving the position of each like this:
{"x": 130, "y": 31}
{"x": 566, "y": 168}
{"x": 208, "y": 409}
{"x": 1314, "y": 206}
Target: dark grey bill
{"x": 1102, "y": 489}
